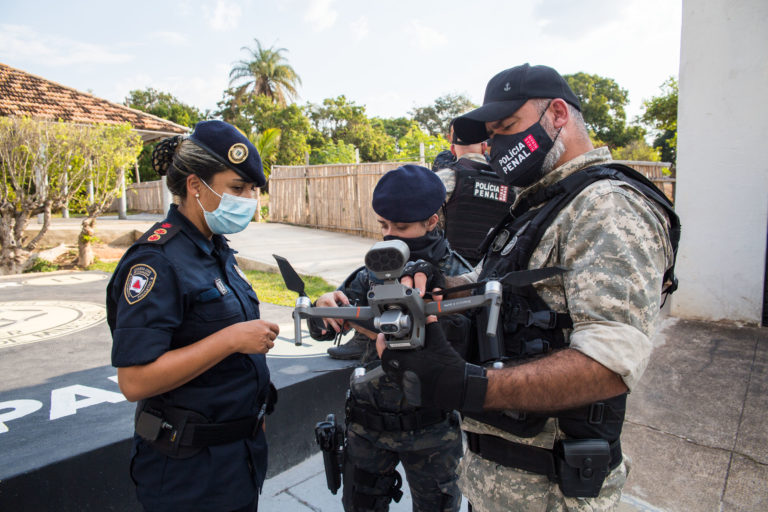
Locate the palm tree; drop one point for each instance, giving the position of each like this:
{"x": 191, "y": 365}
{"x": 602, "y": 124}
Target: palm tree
{"x": 268, "y": 144}
{"x": 266, "y": 73}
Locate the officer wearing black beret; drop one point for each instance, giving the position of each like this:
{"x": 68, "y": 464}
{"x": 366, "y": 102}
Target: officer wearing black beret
{"x": 383, "y": 430}
{"x": 188, "y": 342}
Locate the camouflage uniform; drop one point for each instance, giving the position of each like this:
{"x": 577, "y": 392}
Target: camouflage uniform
{"x": 616, "y": 243}
{"x": 430, "y": 454}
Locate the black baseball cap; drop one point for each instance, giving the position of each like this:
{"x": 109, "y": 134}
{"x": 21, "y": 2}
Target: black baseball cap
{"x": 508, "y": 91}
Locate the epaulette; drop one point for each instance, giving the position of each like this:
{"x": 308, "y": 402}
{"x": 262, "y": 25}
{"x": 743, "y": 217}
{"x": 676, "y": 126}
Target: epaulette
{"x": 160, "y": 233}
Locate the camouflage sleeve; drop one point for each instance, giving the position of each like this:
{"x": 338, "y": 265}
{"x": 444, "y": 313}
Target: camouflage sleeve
{"x": 448, "y": 177}
{"x": 617, "y": 245}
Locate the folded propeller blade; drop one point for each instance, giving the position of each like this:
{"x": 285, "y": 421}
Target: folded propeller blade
{"x": 292, "y": 280}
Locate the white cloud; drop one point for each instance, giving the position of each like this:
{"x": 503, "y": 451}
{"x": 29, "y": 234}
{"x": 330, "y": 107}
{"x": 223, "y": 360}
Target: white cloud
{"x": 199, "y": 91}
{"x": 170, "y": 38}
{"x": 23, "y": 43}
{"x": 320, "y": 14}
{"x": 226, "y": 15}
{"x": 360, "y": 28}
{"x": 427, "y": 38}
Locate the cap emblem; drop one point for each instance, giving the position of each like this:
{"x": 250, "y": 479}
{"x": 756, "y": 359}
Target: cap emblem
{"x": 237, "y": 153}
{"x": 507, "y": 87}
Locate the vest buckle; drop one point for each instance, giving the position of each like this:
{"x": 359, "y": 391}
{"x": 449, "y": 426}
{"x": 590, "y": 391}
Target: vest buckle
{"x": 543, "y": 319}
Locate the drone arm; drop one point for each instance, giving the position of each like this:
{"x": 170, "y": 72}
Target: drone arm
{"x": 353, "y": 313}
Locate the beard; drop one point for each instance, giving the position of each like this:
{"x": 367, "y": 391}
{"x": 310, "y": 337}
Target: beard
{"x": 557, "y": 150}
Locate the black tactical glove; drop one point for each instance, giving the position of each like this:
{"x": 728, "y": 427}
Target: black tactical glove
{"x": 436, "y": 376}
{"x": 435, "y": 278}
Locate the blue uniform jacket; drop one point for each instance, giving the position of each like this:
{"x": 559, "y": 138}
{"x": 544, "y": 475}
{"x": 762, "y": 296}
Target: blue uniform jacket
{"x": 171, "y": 289}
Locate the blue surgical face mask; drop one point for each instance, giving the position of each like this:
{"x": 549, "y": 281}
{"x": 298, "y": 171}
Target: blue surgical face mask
{"x": 232, "y": 215}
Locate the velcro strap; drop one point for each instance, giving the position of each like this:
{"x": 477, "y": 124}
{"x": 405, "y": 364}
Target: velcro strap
{"x": 395, "y": 422}
{"x": 197, "y": 435}
{"x": 595, "y": 414}
{"x": 521, "y": 456}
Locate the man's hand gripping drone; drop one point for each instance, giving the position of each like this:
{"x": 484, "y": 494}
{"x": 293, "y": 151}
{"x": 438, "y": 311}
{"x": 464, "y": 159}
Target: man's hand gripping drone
{"x": 395, "y": 309}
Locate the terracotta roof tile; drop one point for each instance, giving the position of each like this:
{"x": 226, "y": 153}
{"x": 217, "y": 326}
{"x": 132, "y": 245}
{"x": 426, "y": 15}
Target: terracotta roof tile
{"x": 23, "y": 94}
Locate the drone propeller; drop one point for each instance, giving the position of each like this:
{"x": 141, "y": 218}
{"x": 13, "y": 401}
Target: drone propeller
{"x": 292, "y": 280}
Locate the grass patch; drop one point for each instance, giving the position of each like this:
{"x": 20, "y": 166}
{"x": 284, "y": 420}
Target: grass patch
{"x": 270, "y": 287}
{"x": 104, "y": 266}
{"x": 42, "y": 265}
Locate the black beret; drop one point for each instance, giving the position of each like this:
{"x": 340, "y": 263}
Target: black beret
{"x": 229, "y": 146}
{"x": 410, "y": 193}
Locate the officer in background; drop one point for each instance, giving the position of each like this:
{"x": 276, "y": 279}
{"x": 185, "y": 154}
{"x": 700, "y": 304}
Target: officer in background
{"x": 597, "y": 242}
{"x": 477, "y": 198}
{"x": 382, "y": 429}
{"x": 187, "y": 340}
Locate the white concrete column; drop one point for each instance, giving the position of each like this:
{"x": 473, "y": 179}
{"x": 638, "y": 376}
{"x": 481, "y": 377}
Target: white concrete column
{"x": 722, "y": 170}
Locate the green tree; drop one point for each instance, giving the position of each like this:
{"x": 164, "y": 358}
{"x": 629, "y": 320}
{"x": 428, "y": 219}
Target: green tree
{"x": 110, "y": 150}
{"x": 395, "y": 127}
{"x": 637, "y": 149}
{"x": 436, "y": 118}
{"x": 264, "y": 73}
{"x": 165, "y": 105}
{"x": 44, "y": 165}
{"x": 338, "y": 119}
{"x": 267, "y": 143}
{"x": 333, "y": 152}
{"x": 260, "y": 113}
{"x": 661, "y": 116}
{"x": 409, "y": 145}
{"x": 603, "y": 104}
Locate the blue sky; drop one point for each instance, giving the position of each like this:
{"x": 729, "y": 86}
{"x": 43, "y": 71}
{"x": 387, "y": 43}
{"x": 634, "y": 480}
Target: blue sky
{"x": 389, "y": 56}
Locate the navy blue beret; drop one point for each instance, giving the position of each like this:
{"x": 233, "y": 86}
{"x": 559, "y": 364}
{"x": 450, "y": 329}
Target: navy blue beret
{"x": 229, "y": 146}
{"x": 410, "y": 193}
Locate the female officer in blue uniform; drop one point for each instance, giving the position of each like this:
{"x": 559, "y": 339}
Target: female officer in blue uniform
{"x": 188, "y": 343}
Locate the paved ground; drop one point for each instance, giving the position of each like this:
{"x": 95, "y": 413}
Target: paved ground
{"x": 695, "y": 428}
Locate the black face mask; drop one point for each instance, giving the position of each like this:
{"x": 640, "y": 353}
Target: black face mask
{"x": 517, "y": 158}
{"x": 430, "y": 247}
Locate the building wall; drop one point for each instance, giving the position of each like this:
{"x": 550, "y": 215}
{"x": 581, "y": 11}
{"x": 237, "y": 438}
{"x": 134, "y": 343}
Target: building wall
{"x": 722, "y": 172}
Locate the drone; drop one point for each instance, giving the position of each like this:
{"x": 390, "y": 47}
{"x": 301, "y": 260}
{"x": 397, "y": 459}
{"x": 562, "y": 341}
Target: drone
{"x": 396, "y": 310}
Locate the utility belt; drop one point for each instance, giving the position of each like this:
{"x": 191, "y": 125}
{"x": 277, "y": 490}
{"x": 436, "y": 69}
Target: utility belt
{"x": 378, "y": 421}
{"x": 578, "y": 466}
{"x": 181, "y": 433}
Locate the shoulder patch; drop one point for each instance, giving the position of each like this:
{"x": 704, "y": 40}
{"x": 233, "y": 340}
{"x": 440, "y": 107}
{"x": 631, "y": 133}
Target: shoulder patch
{"x": 141, "y": 278}
{"x": 242, "y": 274}
{"x": 160, "y": 233}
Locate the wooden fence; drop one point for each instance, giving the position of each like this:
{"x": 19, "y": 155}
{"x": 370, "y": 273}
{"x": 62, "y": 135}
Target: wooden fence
{"x": 654, "y": 171}
{"x": 338, "y": 197}
{"x": 332, "y": 197}
{"x": 142, "y": 197}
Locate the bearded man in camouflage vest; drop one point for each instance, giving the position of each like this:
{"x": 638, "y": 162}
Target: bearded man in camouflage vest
{"x": 591, "y": 244}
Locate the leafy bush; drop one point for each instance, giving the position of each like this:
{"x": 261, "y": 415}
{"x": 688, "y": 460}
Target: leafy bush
{"x": 41, "y": 265}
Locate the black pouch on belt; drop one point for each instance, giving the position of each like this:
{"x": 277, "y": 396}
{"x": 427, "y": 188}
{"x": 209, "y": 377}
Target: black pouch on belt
{"x": 582, "y": 465}
{"x": 164, "y": 429}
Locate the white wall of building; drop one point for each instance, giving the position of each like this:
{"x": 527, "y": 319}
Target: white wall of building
{"x": 722, "y": 166}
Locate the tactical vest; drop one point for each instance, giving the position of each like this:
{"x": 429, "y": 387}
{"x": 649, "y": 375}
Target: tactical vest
{"x": 479, "y": 200}
{"x": 528, "y": 327}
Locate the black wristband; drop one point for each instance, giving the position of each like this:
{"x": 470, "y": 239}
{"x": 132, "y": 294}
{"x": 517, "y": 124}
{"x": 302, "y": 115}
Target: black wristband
{"x": 475, "y": 388}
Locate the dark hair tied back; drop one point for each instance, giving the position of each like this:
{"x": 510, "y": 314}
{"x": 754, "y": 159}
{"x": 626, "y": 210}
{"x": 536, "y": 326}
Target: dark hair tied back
{"x": 162, "y": 155}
